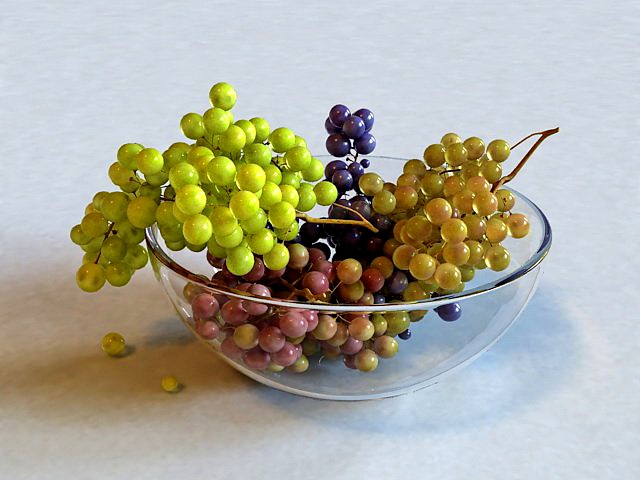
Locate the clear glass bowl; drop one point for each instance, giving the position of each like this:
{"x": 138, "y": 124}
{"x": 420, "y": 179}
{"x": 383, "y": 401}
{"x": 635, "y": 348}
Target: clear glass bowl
{"x": 490, "y": 304}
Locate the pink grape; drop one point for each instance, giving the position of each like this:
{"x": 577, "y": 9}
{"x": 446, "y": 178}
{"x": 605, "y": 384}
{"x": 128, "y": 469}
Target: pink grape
{"x": 312, "y": 319}
{"x": 316, "y": 254}
{"x": 257, "y": 272}
{"x": 350, "y": 361}
{"x": 234, "y": 313}
{"x": 255, "y": 307}
{"x": 293, "y": 324}
{"x": 286, "y": 356}
{"x": 230, "y": 349}
{"x": 316, "y": 282}
{"x": 209, "y": 330}
{"x": 204, "y": 306}
{"x": 271, "y": 339}
{"x": 325, "y": 267}
{"x": 257, "y": 358}
{"x": 351, "y": 346}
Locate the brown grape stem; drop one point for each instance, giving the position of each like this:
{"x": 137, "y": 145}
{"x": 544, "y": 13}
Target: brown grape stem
{"x": 543, "y": 135}
{"x": 105, "y": 237}
{"x": 338, "y": 221}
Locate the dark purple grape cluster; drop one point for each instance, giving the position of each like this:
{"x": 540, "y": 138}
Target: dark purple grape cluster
{"x": 349, "y": 131}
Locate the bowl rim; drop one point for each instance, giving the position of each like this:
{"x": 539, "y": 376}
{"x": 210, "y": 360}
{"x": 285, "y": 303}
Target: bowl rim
{"x": 534, "y": 260}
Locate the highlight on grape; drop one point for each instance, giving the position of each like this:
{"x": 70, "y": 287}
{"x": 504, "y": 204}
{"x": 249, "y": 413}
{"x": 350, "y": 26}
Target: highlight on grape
{"x": 240, "y": 192}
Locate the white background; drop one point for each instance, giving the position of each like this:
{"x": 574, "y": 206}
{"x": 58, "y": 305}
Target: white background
{"x": 558, "y": 397}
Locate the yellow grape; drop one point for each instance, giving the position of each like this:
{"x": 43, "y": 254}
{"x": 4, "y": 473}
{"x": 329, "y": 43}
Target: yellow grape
{"x": 496, "y": 230}
{"x": 434, "y": 155}
{"x": 402, "y": 256}
{"x": 463, "y": 201}
{"x": 475, "y": 147}
{"x": 485, "y": 203}
{"x": 456, "y": 253}
{"x": 453, "y": 230}
{"x": 449, "y": 139}
{"x": 497, "y": 258}
{"x": 438, "y": 210}
{"x": 476, "y": 226}
{"x": 506, "y": 200}
{"x": 452, "y": 185}
{"x": 448, "y": 276}
{"x": 415, "y": 167}
{"x": 518, "y": 225}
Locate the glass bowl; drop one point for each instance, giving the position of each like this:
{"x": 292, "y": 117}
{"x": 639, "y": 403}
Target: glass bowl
{"x": 490, "y": 303}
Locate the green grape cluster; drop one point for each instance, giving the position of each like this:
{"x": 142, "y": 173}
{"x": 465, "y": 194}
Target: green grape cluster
{"x": 449, "y": 217}
{"x": 219, "y": 191}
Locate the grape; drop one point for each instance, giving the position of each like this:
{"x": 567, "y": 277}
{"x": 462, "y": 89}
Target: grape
{"x": 397, "y": 322}
{"x": 476, "y": 226}
{"x": 307, "y": 197}
{"x": 290, "y": 178}
{"x": 255, "y": 223}
{"x": 215, "y": 121}
{"x": 292, "y": 324}
{"x": 282, "y": 215}
{"x": 475, "y": 147}
{"x": 232, "y": 240}
{"x": 240, "y": 260}
{"x": 183, "y": 174}
{"x": 129, "y": 233}
{"x": 249, "y": 130}
{"x": 298, "y": 158}
{"x": 422, "y": 266}
{"x": 286, "y": 356}
{"x": 127, "y": 155}
{"x": 453, "y": 185}
{"x": 287, "y": 234}
{"x": 250, "y": 177}
{"x": 449, "y": 312}
{"x": 157, "y": 179}
{"x": 456, "y": 253}
{"x": 330, "y": 127}
{"x": 117, "y": 274}
{"x": 113, "y": 344}
{"x": 192, "y": 125}
{"x": 114, "y": 248}
{"x": 455, "y": 154}
{"x": 397, "y": 282}
{"x": 271, "y": 194}
{"x": 197, "y": 229}
{"x": 149, "y": 161}
{"x": 208, "y": 330}
{"x": 97, "y": 200}
{"x": 406, "y": 197}
{"x": 361, "y": 328}
{"x": 326, "y": 193}
{"x": 277, "y": 257}
{"x": 339, "y": 114}
{"x": 356, "y": 170}
{"x": 234, "y": 313}
{"x": 338, "y": 145}
{"x": 298, "y": 256}
{"x": 353, "y": 127}
{"x": 418, "y": 228}
{"x": 453, "y": 230}
{"x": 175, "y": 154}
{"x": 78, "y": 236}
{"x": 90, "y": 277}
{"x": 438, "y": 211}
{"x": 233, "y": 139}
{"x": 406, "y": 335}
{"x": 326, "y": 328}
{"x": 432, "y": 184}
{"x": 349, "y": 271}
{"x": 367, "y": 117}
{"x": 258, "y": 153}
{"x": 434, "y": 155}
{"x": 290, "y": 195}
{"x": 222, "y": 95}
{"x": 385, "y": 346}
{"x": 498, "y": 150}
{"x": 190, "y": 199}
{"x": 365, "y": 144}
{"x": 334, "y": 166}
{"x": 343, "y": 180}
{"x": 485, "y": 203}
{"x": 94, "y": 224}
{"x": 384, "y": 202}
{"x": 246, "y": 336}
{"x": 282, "y": 139}
{"x": 271, "y": 339}
{"x": 518, "y": 225}
{"x": 245, "y": 205}
{"x": 447, "y": 276}
{"x": 491, "y": 170}
{"x": 506, "y": 200}
{"x": 314, "y": 170}
{"x": 316, "y": 282}
{"x": 230, "y": 349}
{"x": 463, "y": 201}
{"x": 262, "y": 129}
{"x": 123, "y": 177}
{"x": 496, "y": 230}
{"x": 141, "y": 212}
{"x": 261, "y": 242}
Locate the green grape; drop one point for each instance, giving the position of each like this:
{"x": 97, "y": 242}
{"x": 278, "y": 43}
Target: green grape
{"x": 223, "y": 220}
{"x": 326, "y": 192}
{"x": 370, "y": 183}
{"x": 307, "y": 197}
{"x": 191, "y": 199}
{"x": 450, "y": 138}
{"x": 90, "y": 277}
{"x": 249, "y": 130}
{"x": 216, "y": 121}
{"x": 141, "y": 212}
{"x": 157, "y": 179}
{"x": 216, "y": 249}
{"x": 183, "y": 174}
{"x": 300, "y": 142}
{"x": 456, "y": 154}
{"x": 438, "y": 210}
{"x": 195, "y": 248}
{"x": 197, "y": 152}
{"x": 117, "y": 274}
{"x": 230, "y": 116}
{"x": 290, "y": 195}
{"x": 114, "y": 248}
{"x": 179, "y": 214}
{"x": 94, "y": 224}
{"x": 97, "y": 200}
{"x": 222, "y": 95}
{"x": 120, "y": 175}
{"x": 287, "y": 234}
{"x": 313, "y": 172}
{"x": 434, "y": 155}
{"x": 127, "y": 232}
{"x": 262, "y": 241}
{"x": 498, "y": 150}
{"x": 452, "y": 185}
{"x": 476, "y": 252}
{"x": 277, "y": 257}
{"x": 282, "y": 214}
{"x": 244, "y": 204}
{"x": 262, "y": 129}
{"x": 432, "y": 184}
{"x": 298, "y": 158}
{"x": 497, "y": 258}
{"x": 384, "y": 202}
{"x": 93, "y": 257}
{"x": 150, "y": 191}
{"x": 127, "y": 155}
{"x": 233, "y": 139}
{"x": 175, "y": 154}
{"x": 271, "y": 194}
{"x": 149, "y": 161}
{"x": 475, "y": 147}
{"x": 273, "y": 174}
{"x": 232, "y": 240}
{"x": 197, "y": 229}
{"x": 290, "y": 178}
{"x": 467, "y": 272}
{"x": 172, "y": 233}
{"x": 397, "y": 322}
{"x": 258, "y": 153}
{"x": 250, "y": 177}
{"x": 78, "y": 236}
{"x": 240, "y": 260}
{"x": 175, "y": 246}
{"x": 282, "y": 139}
{"x": 165, "y": 216}
{"x": 192, "y": 125}
{"x": 136, "y": 257}
{"x": 94, "y": 245}
{"x": 255, "y": 223}
{"x": 221, "y": 171}
{"x": 169, "y": 193}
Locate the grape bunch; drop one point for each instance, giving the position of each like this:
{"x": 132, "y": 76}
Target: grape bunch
{"x": 240, "y": 193}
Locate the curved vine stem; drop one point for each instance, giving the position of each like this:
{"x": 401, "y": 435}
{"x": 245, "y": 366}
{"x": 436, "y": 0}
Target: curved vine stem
{"x": 543, "y": 135}
{"x": 338, "y": 221}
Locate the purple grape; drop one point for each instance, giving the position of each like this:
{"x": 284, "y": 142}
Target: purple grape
{"x": 367, "y": 117}
{"x": 337, "y": 212}
{"x": 365, "y": 144}
{"x": 349, "y": 361}
{"x": 338, "y": 145}
{"x": 381, "y": 222}
{"x": 378, "y": 298}
{"x": 356, "y": 170}
{"x": 338, "y": 114}
{"x": 332, "y": 167}
{"x": 257, "y": 272}
{"x": 351, "y": 238}
{"x": 316, "y": 254}
{"x": 312, "y": 319}
{"x": 330, "y": 127}
{"x": 373, "y": 246}
{"x": 406, "y": 335}
{"x": 343, "y": 180}
{"x": 397, "y": 283}
{"x": 365, "y": 162}
{"x": 450, "y": 312}
{"x": 361, "y": 205}
{"x": 230, "y": 349}
{"x": 351, "y": 346}
{"x": 353, "y": 127}
{"x": 310, "y": 233}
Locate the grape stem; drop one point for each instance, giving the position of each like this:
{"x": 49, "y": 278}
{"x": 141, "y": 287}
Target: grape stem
{"x": 543, "y": 135}
{"x": 105, "y": 237}
{"x": 338, "y": 221}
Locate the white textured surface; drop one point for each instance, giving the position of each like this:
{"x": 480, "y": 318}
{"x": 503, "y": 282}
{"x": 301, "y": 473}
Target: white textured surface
{"x": 558, "y": 397}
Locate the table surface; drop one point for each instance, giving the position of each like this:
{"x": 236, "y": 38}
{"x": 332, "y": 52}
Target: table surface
{"x": 558, "y": 397}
